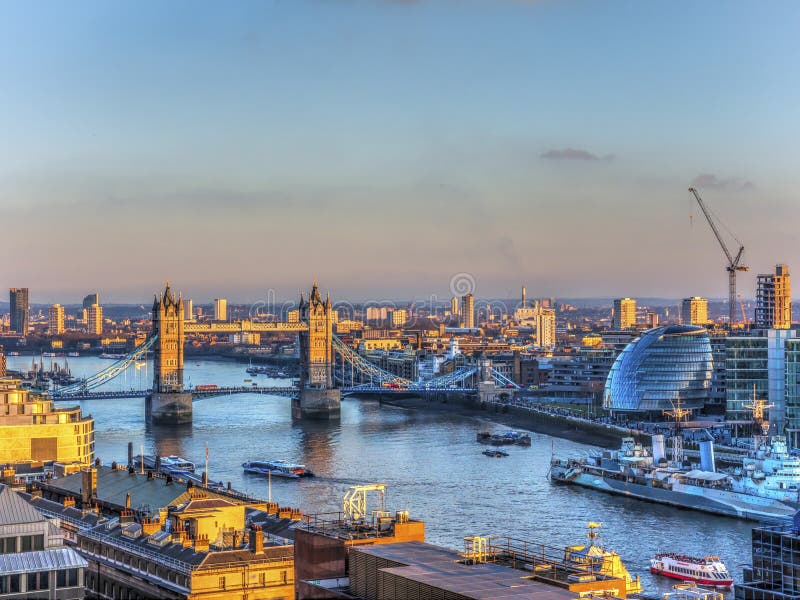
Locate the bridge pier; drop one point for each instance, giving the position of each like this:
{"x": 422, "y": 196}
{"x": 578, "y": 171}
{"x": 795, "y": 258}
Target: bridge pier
{"x": 171, "y": 408}
{"x": 317, "y": 404}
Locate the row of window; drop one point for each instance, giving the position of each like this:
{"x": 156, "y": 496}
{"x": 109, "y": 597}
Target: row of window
{"x": 65, "y": 578}
{"x": 23, "y": 543}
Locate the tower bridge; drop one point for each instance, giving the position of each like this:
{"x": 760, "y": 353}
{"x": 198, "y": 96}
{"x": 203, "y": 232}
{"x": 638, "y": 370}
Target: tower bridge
{"x": 329, "y": 368}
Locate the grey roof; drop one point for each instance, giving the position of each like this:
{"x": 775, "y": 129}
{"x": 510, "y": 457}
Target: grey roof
{"x": 113, "y": 485}
{"x": 41, "y": 560}
{"x": 15, "y": 510}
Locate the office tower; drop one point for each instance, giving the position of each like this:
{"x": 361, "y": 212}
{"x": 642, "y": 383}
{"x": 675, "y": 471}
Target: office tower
{"x": 93, "y": 298}
{"x": 468, "y": 311}
{"x": 524, "y": 299}
{"x": 546, "y": 327}
{"x": 398, "y": 317}
{"x": 18, "y": 306}
{"x": 454, "y": 305}
{"x": 651, "y": 318}
{"x": 774, "y": 300}
{"x": 188, "y": 310}
{"x": 220, "y": 309}
{"x": 624, "y": 313}
{"x": 94, "y": 319}
{"x": 694, "y": 311}
{"x": 55, "y": 319}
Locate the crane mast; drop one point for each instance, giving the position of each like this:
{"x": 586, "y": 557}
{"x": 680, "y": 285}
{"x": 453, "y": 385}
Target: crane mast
{"x": 734, "y": 262}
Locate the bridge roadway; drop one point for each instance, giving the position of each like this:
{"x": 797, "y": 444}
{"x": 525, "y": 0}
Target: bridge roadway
{"x": 273, "y": 391}
{"x": 243, "y": 326}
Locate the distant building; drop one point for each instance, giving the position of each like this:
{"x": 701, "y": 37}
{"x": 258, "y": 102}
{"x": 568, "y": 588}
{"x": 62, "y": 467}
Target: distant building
{"x": 89, "y": 299}
{"x": 658, "y": 369}
{"x": 34, "y": 562}
{"x": 694, "y": 311}
{"x": 220, "y": 309}
{"x": 546, "y": 327}
{"x": 245, "y": 338}
{"x": 293, "y": 316}
{"x": 624, "y": 313}
{"x": 55, "y": 319}
{"x": 94, "y": 319}
{"x": 774, "y": 300}
{"x": 2, "y": 363}
{"x": 188, "y": 310}
{"x": 651, "y": 319}
{"x": 398, "y": 317}
{"x": 20, "y": 310}
{"x": 468, "y": 311}
{"x": 454, "y": 305}
{"x": 377, "y": 313}
{"x": 32, "y": 429}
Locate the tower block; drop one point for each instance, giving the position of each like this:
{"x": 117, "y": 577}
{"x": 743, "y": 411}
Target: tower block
{"x": 318, "y": 398}
{"x": 168, "y": 403}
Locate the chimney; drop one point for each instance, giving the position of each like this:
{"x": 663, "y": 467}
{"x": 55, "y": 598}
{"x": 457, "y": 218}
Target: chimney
{"x": 89, "y": 485}
{"x": 69, "y": 501}
{"x": 130, "y": 455}
{"x": 201, "y": 543}
{"x": 158, "y": 464}
{"x": 126, "y": 516}
{"x": 128, "y": 500}
{"x": 114, "y": 465}
{"x": 169, "y": 479}
{"x": 236, "y": 540}
{"x": 256, "y": 541}
{"x": 149, "y": 526}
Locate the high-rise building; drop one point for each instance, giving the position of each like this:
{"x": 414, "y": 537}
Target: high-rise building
{"x": 546, "y": 327}
{"x": 55, "y": 319}
{"x": 524, "y": 298}
{"x": 468, "y": 311}
{"x": 398, "y": 317}
{"x": 220, "y": 309}
{"x": 774, "y": 300}
{"x": 651, "y": 319}
{"x": 94, "y": 319}
{"x": 89, "y": 299}
{"x": 624, "y": 313}
{"x": 188, "y": 310}
{"x": 694, "y": 311}
{"x": 18, "y": 301}
{"x": 454, "y": 305}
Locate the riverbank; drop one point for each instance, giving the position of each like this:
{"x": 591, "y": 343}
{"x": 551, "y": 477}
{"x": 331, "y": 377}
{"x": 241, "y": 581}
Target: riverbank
{"x": 561, "y": 426}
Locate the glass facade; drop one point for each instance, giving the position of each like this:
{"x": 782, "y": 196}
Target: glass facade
{"x": 775, "y": 572}
{"x": 662, "y": 366}
{"x": 792, "y": 358}
{"x": 746, "y": 361}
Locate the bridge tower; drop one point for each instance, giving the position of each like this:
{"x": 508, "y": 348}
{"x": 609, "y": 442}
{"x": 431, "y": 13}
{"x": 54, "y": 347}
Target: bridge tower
{"x": 318, "y": 397}
{"x": 168, "y": 402}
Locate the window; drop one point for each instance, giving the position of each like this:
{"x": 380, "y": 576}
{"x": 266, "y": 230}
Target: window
{"x": 61, "y": 579}
{"x": 222, "y": 583}
{"x": 8, "y": 545}
{"x": 73, "y": 577}
{"x": 38, "y": 542}
{"x": 13, "y": 584}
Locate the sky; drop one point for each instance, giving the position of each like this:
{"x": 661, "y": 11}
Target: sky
{"x": 383, "y": 147}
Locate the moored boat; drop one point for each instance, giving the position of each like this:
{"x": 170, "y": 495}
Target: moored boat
{"x": 276, "y": 468}
{"x": 706, "y": 570}
{"x": 175, "y": 464}
{"x": 599, "y": 560}
{"x": 495, "y": 453}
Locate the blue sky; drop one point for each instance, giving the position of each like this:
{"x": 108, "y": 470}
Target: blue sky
{"x": 383, "y": 146}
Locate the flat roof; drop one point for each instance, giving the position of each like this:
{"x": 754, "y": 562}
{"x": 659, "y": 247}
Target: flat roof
{"x": 440, "y": 568}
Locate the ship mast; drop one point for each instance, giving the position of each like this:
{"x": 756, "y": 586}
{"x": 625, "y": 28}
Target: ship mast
{"x": 677, "y": 413}
{"x": 760, "y": 425}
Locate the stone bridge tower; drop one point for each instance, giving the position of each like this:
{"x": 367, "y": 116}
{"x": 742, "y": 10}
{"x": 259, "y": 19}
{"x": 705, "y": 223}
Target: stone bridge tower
{"x": 168, "y": 402}
{"x": 318, "y": 398}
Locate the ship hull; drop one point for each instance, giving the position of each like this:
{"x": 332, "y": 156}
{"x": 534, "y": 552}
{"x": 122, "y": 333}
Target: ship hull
{"x": 715, "y": 501}
{"x": 700, "y": 581}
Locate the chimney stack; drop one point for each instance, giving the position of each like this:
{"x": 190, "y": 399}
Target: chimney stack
{"x": 130, "y": 454}
{"x": 89, "y": 485}
{"x": 256, "y": 541}
{"x": 128, "y": 500}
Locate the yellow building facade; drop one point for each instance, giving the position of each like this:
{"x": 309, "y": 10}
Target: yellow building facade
{"x": 32, "y": 429}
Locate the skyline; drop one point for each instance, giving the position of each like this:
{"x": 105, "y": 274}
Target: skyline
{"x": 383, "y": 147}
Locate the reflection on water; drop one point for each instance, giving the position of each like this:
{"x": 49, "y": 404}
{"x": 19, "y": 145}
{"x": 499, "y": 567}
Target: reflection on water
{"x": 430, "y": 461}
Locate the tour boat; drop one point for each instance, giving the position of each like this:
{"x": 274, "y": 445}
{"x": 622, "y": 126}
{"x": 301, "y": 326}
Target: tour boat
{"x": 175, "y": 464}
{"x": 276, "y": 468}
{"x": 708, "y": 570}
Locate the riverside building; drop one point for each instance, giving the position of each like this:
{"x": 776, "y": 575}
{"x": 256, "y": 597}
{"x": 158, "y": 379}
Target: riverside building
{"x": 32, "y": 429}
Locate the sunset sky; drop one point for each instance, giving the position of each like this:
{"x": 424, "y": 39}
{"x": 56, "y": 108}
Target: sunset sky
{"x": 383, "y": 146}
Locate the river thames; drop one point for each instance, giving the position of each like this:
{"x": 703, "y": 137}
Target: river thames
{"x": 429, "y": 460}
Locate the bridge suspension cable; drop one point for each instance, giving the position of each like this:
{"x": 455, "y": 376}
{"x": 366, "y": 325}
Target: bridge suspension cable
{"x": 107, "y": 374}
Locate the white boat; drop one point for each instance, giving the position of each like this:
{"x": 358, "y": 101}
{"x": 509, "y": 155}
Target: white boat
{"x": 73, "y": 353}
{"x": 111, "y": 356}
{"x": 707, "y": 570}
{"x": 175, "y": 464}
{"x": 277, "y": 468}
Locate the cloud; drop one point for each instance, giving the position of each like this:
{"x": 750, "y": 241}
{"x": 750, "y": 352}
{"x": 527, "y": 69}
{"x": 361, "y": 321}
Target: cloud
{"x": 574, "y": 154}
{"x": 711, "y": 181}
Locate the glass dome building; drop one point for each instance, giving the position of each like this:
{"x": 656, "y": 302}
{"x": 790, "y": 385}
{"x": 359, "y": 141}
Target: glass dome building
{"x": 662, "y": 366}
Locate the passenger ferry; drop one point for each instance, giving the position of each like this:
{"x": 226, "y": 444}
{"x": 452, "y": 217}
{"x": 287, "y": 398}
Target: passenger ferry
{"x": 175, "y": 464}
{"x": 708, "y": 570}
{"x": 276, "y": 468}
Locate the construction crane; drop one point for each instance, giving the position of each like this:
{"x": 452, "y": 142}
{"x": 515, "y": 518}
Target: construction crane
{"x": 734, "y": 262}
{"x": 745, "y": 320}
